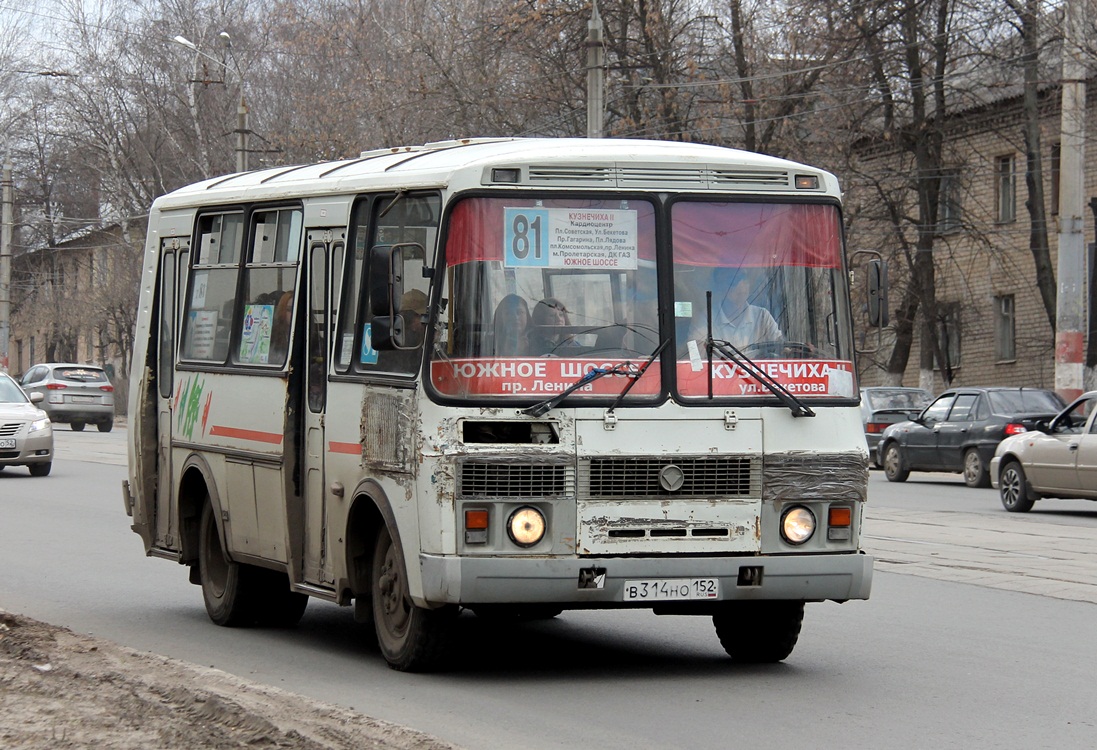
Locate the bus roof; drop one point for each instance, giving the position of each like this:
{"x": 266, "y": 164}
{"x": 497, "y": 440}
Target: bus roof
{"x": 606, "y": 163}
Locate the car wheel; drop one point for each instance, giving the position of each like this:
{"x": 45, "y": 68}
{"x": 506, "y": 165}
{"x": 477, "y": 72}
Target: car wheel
{"x": 76, "y": 426}
{"x": 106, "y": 426}
{"x": 40, "y": 470}
{"x": 893, "y": 464}
{"x": 1013, "y": 489}
{"x": 976, "y": 473}
{"x": 411, "y": 638}
{"x": 759, "y": 632}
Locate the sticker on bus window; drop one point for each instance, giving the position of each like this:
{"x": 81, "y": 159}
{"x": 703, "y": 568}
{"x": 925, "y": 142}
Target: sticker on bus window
{"x": 255, "y": 334}
{"x": 368, "y": 355}
{"x": 576, "y": 238}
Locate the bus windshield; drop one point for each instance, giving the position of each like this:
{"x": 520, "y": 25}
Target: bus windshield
{"x": 540, "y": 292}
{"x": 762, "y": 280}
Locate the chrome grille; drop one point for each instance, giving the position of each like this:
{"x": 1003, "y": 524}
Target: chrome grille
{"x": 702, "y": 476}
{"x": 512, "y": 479}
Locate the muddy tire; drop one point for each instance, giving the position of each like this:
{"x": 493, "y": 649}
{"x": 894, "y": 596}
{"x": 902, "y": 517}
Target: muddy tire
{"x": 759, "y": 632}
{"x": 411, "y": 638}
{"x": 230, "y": 590}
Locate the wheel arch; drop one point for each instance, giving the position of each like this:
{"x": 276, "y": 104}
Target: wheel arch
{"x": 370, "y": 511}
{"x": 196, "y": 485}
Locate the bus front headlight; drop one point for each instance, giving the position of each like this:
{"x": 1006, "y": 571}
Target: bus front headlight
{"x": 526, "y": 526}
{"x": 797, "y": 524}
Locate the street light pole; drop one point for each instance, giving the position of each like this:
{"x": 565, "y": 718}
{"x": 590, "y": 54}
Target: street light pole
{"x": 243, "y": 129}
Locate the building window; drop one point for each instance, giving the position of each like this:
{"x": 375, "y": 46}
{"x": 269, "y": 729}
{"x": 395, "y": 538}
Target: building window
{"x": 1005, "y": 326}
{"x": 1005, "y": 174}
{"x": 948, "y": 202}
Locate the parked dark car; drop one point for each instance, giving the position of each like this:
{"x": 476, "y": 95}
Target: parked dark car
{"x": 960, "y": 430}
{"x": 882, "y": 406}
{"x": 74, "y": 394}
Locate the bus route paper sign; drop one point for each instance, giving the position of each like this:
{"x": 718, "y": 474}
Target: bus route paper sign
{"x": 576, "y": 238}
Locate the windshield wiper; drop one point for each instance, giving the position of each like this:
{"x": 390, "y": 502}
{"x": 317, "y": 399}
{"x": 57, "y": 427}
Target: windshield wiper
{"x": 729, "y": 352}
{"x": 627, "y": 369}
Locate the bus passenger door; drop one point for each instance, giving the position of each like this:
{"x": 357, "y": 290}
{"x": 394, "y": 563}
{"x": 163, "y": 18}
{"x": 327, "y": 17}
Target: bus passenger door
{"x": 174, "y": 254}
{"x": 323, "y": 245}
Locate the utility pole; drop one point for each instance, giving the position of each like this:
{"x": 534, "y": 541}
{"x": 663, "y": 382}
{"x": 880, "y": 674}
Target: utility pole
{"x": 8, "y": 199}
{"x": 1070, "y": 317}
{"x": 596, "y": 56}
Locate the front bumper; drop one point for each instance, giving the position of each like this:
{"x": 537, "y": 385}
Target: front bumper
{"x": 498, "y": 580}
{"x": 35, "y": 448}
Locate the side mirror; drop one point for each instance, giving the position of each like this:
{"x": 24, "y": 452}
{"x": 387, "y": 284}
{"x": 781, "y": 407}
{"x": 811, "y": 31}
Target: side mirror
{"x": 388, "y": 267}
{"x": 915, "y": 416}
{"x": 37, "y": 398}
{"x": 877, "y": 289}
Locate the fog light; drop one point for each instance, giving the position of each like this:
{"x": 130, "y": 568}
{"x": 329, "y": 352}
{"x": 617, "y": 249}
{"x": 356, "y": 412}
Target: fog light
{"x": 526, "y": 526}
{"x": 797, "y": 525}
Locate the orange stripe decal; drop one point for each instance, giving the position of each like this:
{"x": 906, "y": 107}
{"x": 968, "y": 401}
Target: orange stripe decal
{"x": 353, "y": 449}
{"x": 253, "y": 435}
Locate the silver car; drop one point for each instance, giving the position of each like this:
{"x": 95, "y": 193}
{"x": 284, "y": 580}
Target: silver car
{"x": 1057, "y": 459}
{"x": 26, "y": 436}
{"x": 73, "y": 394}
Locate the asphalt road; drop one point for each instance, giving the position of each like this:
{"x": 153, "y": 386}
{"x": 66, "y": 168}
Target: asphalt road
{"x": 952, "y": 656}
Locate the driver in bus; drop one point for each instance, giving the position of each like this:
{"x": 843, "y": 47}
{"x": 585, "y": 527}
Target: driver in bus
{"x": 734, "y": 318}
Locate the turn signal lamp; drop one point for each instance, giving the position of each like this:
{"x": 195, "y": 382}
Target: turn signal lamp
{"x": 1013, "y": 428}
{"x": 476, "y": 526}
{"x": 839, "y": 521}
{"x": 807, "y": 182}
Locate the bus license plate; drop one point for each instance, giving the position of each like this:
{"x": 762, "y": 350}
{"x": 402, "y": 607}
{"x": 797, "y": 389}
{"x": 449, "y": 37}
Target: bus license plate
{"x": 7, "y": 442}
{"x": 671, "y": 589}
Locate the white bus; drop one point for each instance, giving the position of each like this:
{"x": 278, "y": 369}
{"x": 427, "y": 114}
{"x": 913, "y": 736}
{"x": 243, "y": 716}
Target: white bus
{"x": 507, "y": 376}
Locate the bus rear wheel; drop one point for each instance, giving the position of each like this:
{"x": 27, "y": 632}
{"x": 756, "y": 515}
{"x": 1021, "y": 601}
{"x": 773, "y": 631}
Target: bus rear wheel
{"x": 228, "y": 588}
{"x": 759, "y": 632}
{"x": 411, "y": 638}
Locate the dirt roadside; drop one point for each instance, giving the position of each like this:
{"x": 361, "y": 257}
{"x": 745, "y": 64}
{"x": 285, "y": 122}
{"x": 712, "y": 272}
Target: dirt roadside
{"x": 60, "y": 690}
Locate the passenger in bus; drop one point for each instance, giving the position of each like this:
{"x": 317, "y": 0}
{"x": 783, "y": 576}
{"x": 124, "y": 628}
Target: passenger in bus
{"x": 279, "y": 329}
{"x": 510, "y": 327}
{"x": 413, "y": 309}
{"x": 734, "y": 318}
{"x": 547, "y": 335}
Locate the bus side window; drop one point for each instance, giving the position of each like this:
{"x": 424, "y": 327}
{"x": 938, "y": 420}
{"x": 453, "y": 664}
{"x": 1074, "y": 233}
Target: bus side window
{"x": 394, "y": 220}
{"x": 209, "y": 308}
{"x": 270, "y": 278}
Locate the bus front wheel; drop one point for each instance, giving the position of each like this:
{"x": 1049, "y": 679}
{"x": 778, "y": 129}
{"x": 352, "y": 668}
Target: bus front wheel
{"x": 411, "y": 638}
{"x": 759, "y": 632}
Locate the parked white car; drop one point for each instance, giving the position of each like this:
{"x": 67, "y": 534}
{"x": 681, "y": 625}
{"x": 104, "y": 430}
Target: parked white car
{"x": 1058, "y": 459}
